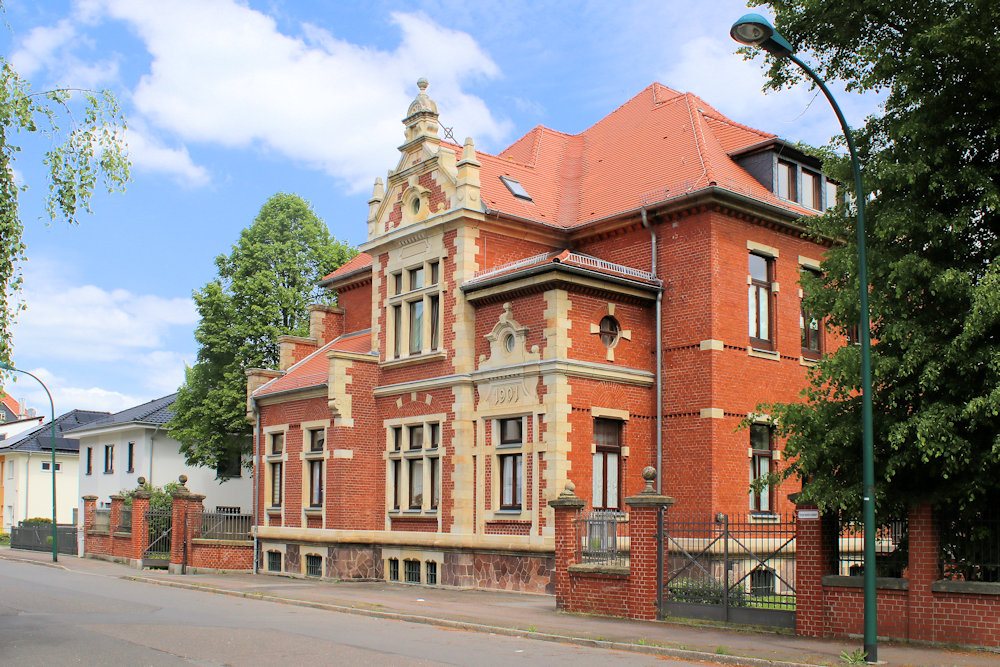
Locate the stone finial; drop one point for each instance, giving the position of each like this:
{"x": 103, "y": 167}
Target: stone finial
{"x": 469, "y": 152}
{"x": 649, "y": 474}
{"x": 182, "y": 479}
{"x": 569, "y": 489}
{"x": 378, "y": 192}
{"x": 142, "y": 481}
{"x": 422, "y": 103}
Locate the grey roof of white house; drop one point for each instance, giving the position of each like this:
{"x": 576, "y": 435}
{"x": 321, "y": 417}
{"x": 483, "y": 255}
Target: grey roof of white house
{"x": 156, "y": 412}
{"x": 39, "y": 439}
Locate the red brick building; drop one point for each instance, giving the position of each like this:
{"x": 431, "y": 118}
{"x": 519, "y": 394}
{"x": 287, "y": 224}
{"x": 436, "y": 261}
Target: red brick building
{"x": 523, "y": 320}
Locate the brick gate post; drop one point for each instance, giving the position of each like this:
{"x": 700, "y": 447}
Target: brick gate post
{"x": 140, "y": 527}
{"x": 924, "y": 569}
{"x": 643, "y": 545}
{"x": 567, "y": 510}
{"x": 114, "y": 521}
{"x": 178, "y": 530}
{"x": 810, "y": 566}
{"x": 89, "y": 508}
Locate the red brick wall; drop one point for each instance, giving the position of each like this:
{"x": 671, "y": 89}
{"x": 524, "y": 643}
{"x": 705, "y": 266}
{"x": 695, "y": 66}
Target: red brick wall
{"x": 221, "y": 555}
{"x": 496, "y": 249}
{"x": 356, "y": 300}
{"x": 598, "y": 593}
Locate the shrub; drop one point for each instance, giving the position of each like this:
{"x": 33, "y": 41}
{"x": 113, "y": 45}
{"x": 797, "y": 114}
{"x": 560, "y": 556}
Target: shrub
{"x": 36, "y": 521}
{"x": 705, "y": 591}
{"x": 4, "y": 537}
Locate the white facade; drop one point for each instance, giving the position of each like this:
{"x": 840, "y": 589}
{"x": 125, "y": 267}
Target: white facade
{"x": 26, "y": 486}
{"x": 104, "y": 467}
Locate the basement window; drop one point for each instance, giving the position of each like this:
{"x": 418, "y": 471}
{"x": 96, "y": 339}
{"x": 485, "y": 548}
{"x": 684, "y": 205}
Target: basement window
{"x": 274, "y": 561}
{"x": 314, "y": 565}
{"x": 515, "y": 188}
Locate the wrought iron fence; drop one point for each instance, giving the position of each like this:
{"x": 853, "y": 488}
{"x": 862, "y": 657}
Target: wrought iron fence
{"x": 102, "y": 519}
{"x": 891, "y": 548}
{"x": 603, "y": 537}
{"x": 970, "y": 545}
{"x": 226, "y": 526}
{"x": 739, "y": 569}
{"x": 125, "y": 520}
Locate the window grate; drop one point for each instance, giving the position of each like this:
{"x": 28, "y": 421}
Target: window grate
{"x": 274, "y": 561}
{"x": 393, "y": 569}
{"x": 431, "y": 573}
{"x": 411, "y": 571}
{"x": 314, "y": 565}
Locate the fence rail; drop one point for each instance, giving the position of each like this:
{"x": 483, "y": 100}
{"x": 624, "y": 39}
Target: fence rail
{"x": 603, "y": 538}
{"x": 225, "y": 526}
{"x": 970, "y": 545}
{"x": 38, "y": 537}
{"x": 891, "y": 548}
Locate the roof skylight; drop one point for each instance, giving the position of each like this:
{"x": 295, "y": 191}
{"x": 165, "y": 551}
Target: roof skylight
{"x": 515, "y": 188}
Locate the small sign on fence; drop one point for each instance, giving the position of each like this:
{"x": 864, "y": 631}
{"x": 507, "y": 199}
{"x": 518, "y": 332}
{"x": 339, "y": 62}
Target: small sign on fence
{"x": 807, "y": 514}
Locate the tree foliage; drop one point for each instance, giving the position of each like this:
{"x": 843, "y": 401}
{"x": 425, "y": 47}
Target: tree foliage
{"x": 263, "y": 288}
{"x": 931, "y": 163}
{"x": 89, "y": 150}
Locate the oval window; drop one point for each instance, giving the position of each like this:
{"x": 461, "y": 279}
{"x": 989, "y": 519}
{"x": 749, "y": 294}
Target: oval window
{"x": 610, "y": 330}
{"x": 416, "y": 205}
{"x": 508, "y": 342}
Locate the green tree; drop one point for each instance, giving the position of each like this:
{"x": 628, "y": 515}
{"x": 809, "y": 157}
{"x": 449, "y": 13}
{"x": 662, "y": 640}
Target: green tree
{"x": 92, "y": 148}
{"x": 262, "y": 291}
{"x": 931, "y": 160}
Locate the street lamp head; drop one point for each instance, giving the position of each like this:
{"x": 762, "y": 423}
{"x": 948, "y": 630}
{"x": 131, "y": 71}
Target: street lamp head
{"x": 5, "y": 366}
{"x": 755, "y": 30}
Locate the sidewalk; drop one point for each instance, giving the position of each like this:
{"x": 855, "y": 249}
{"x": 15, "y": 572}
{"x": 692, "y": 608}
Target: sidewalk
{"x": 524, "y": 615}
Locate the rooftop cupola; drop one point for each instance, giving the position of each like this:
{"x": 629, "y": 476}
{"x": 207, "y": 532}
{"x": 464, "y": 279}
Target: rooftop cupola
{"x": 422, "y": 116}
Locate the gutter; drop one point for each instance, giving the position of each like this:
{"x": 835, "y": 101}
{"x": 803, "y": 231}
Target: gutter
{"x": 654, "y": 240}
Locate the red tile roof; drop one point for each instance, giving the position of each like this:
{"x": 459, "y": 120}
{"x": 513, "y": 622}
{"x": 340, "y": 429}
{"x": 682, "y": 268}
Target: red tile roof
{"x": 11, "y": 404}
{"x": 568, "y": 258}
{"x": 360, "y": 261}
{"x": 314, "y": 370}
{"x": 660, "y": 144}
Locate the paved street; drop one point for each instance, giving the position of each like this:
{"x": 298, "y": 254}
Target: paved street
{"x": 52, "y": 616}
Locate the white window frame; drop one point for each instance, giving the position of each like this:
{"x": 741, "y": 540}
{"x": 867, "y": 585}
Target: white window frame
{"x": 402, "y": 342}
{"x": 401, "y": 462}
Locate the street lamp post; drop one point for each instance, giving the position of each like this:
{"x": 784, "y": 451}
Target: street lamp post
{"x": 755, "y": 30}
{"x": 52, "y": 407}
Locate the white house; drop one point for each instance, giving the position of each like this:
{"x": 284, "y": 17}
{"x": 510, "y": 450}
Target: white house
{"x": 26, "y": 469}
{"x": 119, "y": 449}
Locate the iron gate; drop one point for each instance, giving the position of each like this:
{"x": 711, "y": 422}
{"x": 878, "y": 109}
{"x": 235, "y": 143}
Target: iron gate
{"x": 157, "y": 553}
{"x": 739, "y": 571}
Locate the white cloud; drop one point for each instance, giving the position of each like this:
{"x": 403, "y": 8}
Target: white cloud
{"x": 66, "y": 397}
{"x": 51, "y": 48}
{"x": 149, "y": 154}
{"x": 222, "y": 73}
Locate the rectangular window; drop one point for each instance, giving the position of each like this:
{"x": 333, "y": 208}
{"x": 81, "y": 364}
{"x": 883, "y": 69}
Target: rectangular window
{"x": 435, "y": 307}
{"x": 416, "y": 278}
{"x": 397, "y": 482}
{"x": 416, "y": 326}
{"x": 510, "y": 431}
{"x": 397, "y": 438}
{"x": 277, "y": 443}
{"x": 435, "y": 470}
{"x": 416, "y": 470}
{"x": 831, "y": 194}
{"x": 47, "y": 465}
{"x": 90, "y": 461}
{"x": 411, "y": 571}
{"x": 510, "y": 481}
{"x": 276, "y": 480}
{"x": 759, "y": 306}
{"x": 431, "y": 573}
{"x": 787, "y": 180}
{"x": 607, "y": 463}
{"x": 109, "y": 459}
{"x": 316, "y": 483}
{"x": 434, "y": 433}
{"x": 397, "y": 283}
{"x": 131, "y": 457}
{"x": 809, "y": 324}
{"x": 317, "y": 439}
{"x": 274, "y": 561}
{"x": 416, "y": 437}
{"x": 397, "y": 324}
{"x": 314, "y": 565}
{"x": 854, "y": 334}
{"x": 434, "y": 273}
{"x": 762, "y": 452}
{"x": 812, "y": 190}
{"x": 393, "y": 569}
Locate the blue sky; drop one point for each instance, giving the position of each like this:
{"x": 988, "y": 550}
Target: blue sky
{"x": 229, "y": 102}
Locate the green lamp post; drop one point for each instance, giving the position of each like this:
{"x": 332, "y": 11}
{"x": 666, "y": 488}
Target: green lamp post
{"x": 52, "y": 407}
{"x": 755, "y": 30}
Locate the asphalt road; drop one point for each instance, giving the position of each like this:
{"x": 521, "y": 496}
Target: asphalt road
{"x": 50, "y": 616}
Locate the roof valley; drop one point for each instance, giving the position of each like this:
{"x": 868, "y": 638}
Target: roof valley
{"x": 571, "y": 177}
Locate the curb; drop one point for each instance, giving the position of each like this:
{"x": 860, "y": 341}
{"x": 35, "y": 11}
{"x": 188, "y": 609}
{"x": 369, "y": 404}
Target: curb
{"x": 660, "y": 651}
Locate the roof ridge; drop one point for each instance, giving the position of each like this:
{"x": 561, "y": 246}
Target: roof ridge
{"x": 298, "y": 363}
{"x": 715, "y": 114}
{"x": 699, "y": 139}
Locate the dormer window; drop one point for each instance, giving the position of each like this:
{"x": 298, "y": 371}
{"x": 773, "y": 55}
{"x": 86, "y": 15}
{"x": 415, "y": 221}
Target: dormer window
{"x": 515, "y": 188}
{"x": 787, "y": 180}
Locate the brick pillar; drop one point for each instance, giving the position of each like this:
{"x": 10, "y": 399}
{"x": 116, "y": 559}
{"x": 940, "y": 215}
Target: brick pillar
{"x": 140, "y": 526}
{"x": 116, "y": 513}
{"x": 194, "y": 511}
{"x": 178, "y": 531}
{"x": 643, "y": 543}
{"x": 89, "y": 507}
{"x": 567, "y": 510}
{"x": 924, "y": 569}
{"x": 810, "y": 565}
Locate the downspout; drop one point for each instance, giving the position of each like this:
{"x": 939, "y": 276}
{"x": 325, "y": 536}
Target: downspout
{"x": 27, "y": 484}
{"x": 659, "y": 348}
{"x": 256, "y": 446}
